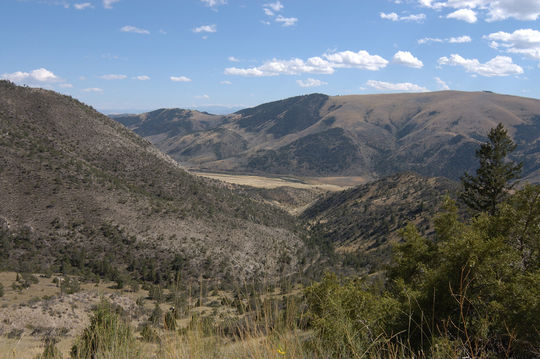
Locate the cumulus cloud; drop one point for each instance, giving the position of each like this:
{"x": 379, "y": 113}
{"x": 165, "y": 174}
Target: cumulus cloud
{"x": 361, "y": 60}
{"x": 233, "y": 59}
{"x": 135, "y": 30}
{"x": 442, "y": 84}
{"x": 522, "y": 41}
{"x": 180, "y": 79}
{"x": 314, "y": 65}
{"x": 497, "y": 66}
{"x": 275, "y": 67}
{"x": 395, "y": 17}
{"x": 451, "y": 40}
{"x": 35, "y": 77}
{"x": 93, "y": 89}
{"x": 407, "y": 59}
{"x": 226, "y": 82}
{"x": 204, "y": 97}
{"x": 286, "y": 21}
{"x": 310, "y": 83}
{"x": 214, "y": 3}
{"x": 494, "y": 10}
{"x": 388, "y": 86}
{"x": 107, "y": 4}
{"x": 142, "y": 78}
{"x": 466, "y": 15}
{"x": 205, "y": 28}
{"x": 82, "y": 6}
{"x": 113, "y": 77}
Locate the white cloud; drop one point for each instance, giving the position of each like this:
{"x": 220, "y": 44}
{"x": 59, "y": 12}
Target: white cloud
{"x": 107, "y": 4}
{"x": 268, "y": 12}
{"x": 388, "y": 86}
{"x": 395, "y": 17}
{"x": 226, "y": 82}
{"x": 214, "y": 3}
{"x": 180, "y": 79}
{"x": 390, "y": 16}
{"x": 494, "y": 10}
{"x": 82, "y": 6}
{"x": 427, "y": 40}
{"x": 314, "y": 65}
{"x": 135, "y": 30}
{"x": 205, "y": 28}
{"x": 522, "y": 41}
{"x": 275, "y": 6}
{"x": 286, "y": 21}
{"x": 38, "y": 76}
{"x": 413, "y": 17}
{"x": 142, "y": 78}
{"x": 497, "y": 66}
{"x": 407, "y": 59}
{"x": 66, "y": 86}
{"x": 361, "y": 60}
{"x": 443, "y": 84}
{"x": 311, "y": 83}
{"x": 93, "y": 89}
{"x": 233, "y": 59}
{"x": 205, "y": 97}
{"x": 466, "y": 15}
{"x": 460, "y": 39}
{"x": 451, "y": 40}
{"x": 113, "y": 77}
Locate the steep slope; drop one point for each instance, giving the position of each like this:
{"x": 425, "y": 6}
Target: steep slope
{"x": 79, "y": 190}
{"x": 364, "y": 220}
{"x": 434, "y": 134}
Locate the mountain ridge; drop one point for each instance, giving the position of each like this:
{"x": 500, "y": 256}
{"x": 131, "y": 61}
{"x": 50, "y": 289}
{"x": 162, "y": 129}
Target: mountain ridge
{"x": 433, "y": 133}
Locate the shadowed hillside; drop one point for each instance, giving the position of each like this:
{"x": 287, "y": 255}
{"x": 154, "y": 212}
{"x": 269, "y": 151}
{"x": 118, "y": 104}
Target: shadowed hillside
{"x": 79, "y": 190}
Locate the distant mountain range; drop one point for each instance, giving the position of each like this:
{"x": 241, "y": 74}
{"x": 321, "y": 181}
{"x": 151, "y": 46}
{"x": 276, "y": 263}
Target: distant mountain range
{"x": 79, "y": 190}
{"x": 434, "y": 134}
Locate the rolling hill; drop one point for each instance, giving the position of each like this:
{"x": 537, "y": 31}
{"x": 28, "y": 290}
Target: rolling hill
{"x": 80, "y": 192}
{"x": 434, "y": 134}
{"x": 364, "y": 221}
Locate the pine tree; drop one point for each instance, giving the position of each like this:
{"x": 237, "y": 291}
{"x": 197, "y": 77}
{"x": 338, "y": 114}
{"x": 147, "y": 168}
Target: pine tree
{"x": 490, "y": 186}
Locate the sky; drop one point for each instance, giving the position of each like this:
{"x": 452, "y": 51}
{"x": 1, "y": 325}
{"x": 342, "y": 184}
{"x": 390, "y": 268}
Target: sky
{"x": 222, "y": 55}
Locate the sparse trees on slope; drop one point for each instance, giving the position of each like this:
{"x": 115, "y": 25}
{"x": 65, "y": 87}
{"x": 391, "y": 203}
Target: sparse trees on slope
{"x": 493, "y": 178}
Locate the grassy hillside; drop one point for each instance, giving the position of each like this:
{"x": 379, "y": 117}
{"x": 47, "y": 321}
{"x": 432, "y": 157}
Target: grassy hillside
{"x": 79, "y": 190}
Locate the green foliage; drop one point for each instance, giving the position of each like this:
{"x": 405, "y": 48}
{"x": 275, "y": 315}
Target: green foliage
{"x": 108, "y": 335}
{"x": 349, "y": 319}
{"x": 477, "y": 284}
{"x": 490, "y": 186}
{"x": 473, "y": 291}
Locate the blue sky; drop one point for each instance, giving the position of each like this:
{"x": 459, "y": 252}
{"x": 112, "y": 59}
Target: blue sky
{"x": 221, "y": 55}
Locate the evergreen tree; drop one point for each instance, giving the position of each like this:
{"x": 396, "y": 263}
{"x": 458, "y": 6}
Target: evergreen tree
{"x": 493, "y": 178}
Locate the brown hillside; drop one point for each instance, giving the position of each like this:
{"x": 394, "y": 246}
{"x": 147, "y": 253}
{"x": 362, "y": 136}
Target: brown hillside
{"x": 80, "y": 190}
